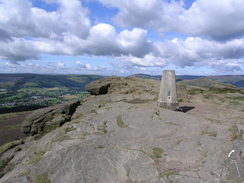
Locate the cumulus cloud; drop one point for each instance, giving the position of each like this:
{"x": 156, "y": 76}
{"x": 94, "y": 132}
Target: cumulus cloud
{"x": 28, "y": 32}
{"x": 19, "y": 19}
{"x": 82, "y": 65}
{"x": 17, "y": 49}
{"x": 227, "y": 66}
{"x": 196, "y": 51}
{"x": 218, "y": 19}
{"x": 157, "y": 14}
{"x": 192, "y": 51}
{"x": 148, "y": 60}
{"x": 102, "y": 39}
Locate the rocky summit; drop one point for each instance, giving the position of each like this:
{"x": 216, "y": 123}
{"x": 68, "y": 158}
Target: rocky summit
{"x": 123, "y": 137}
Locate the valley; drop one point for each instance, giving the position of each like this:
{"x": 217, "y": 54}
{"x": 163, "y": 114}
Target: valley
{"x": 24, "y": 92}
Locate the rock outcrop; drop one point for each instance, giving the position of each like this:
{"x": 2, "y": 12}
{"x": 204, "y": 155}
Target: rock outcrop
{"x": 47, "y": 119}
{"x": 98, "y": 88}
{"x": 123, "y": 137}
{"x": 123, "y": 85}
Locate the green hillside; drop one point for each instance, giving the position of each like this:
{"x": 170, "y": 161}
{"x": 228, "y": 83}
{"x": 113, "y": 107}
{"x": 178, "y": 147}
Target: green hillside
{"x": 236, "y": 80}
{"x": 204, "y": 82}
{"x": 20, "y": 92}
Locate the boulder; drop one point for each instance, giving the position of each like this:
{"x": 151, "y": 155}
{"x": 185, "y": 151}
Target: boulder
{"x": 47, "y": 119}
{"x": 123, "y": 85}
{"x": 97, "y": 88}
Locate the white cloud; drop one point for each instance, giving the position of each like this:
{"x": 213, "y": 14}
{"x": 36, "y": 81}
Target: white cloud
{"x": 19, "y": 19}
{"x": 17, "y": 49}
{"x": 227, "y": 66}
{"x": 218, "y": 19}
{"x": 28, "y": 32}
{"x": 197, "y": 51}
{"x": 156, "y": 14}
{"x": 82, "y": 65}
{"x": 148, "y": 60}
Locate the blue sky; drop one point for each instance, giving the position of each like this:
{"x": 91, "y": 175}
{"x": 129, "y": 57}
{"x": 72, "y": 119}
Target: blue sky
{"x": 122, "y": 37}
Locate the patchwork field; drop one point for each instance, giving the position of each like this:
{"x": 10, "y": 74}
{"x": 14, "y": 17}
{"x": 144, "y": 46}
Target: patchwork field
{"x": 24, "y": 92}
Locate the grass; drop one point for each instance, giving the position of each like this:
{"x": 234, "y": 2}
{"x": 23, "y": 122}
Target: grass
{"x": 154, "y": 154}
{"x": 3, "y": 164}
{"x": 26, "y": 173}
{"x": 157, "y": 152}
{"x": 11, "y": 127}
{"x": 235, "y": 133}
{"x": 234, "y": 102}
{"x": 8, "y": 115}
{"x": 128, "y": 172}
{"x": 86, "y": 134}
{"x": 207, "y": 96}
{"x": 69, "y": 129}
{"x": 42, "y": 178}
{"x": 102, "y": 129}
{"x": 37, "y": 156}
{"x": 10, "y": 145}
{"x": 225, "y": 90}
{"x": 167, "y": 174}
{"x": 180, "y": 100}
{"x": 62, "y": 137}
{"x": 120, "y": 122}
{"x": 194, "y": 91}
{"x": 239, "y": 98}
{"x": 100, "y": 147}
{"x": 211, "y": 134}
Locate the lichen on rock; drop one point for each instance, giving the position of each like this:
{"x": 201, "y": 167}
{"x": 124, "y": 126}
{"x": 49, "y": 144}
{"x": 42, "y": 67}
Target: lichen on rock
{"x": 47, "y": 119}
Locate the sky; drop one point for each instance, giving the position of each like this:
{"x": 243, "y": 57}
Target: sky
{"x": 122, "y": 37}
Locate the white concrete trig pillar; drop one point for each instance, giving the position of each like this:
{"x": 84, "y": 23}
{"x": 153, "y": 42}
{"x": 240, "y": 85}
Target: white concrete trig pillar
{"x": 168, "y": 95}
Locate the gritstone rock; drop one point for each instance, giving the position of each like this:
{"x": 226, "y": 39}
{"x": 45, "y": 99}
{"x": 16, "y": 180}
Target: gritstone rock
{"x": 47, "y": 119}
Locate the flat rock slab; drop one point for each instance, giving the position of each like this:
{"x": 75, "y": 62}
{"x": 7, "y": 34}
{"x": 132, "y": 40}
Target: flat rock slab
{"x": 112, "y": 140}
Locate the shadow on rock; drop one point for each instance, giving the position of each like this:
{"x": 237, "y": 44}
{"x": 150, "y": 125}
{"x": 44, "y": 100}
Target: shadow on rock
{"x": 186, "y": 108}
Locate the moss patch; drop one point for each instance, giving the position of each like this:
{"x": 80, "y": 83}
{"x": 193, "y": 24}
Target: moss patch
{"x": 167, "y": 174}
{"x": 209, "y": 133}
{"x": 103, "y": 128}
{"x": 3, "y": 164}
{"x": 10, "y": 145}
{"x": 157, "y": 152}
{"x": 225, "y": 90}
{"x": 120, "y": 122}
{"x": 235, "y": 133}
{"x": 100, "y": 147}
{"x": 239, "y": 98}
{"x": 136, "y": 101}
{"x": 69, "y": 129}
{"x": 36, "y": 157}
{"x": 180, "y": 100}
{"x": 11, "y": 127}
{"x": 128, "y": 172}
{"x": 43, "y": 178}
{"x": 86, "y": 134}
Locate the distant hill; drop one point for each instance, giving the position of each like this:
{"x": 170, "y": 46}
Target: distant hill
{"x": 146, "y": 76}
{"x": 18, "y": 81}
{"x": 236, "y": 80}
{"x": 178, "y": 77}
{"x": 124, "y": 137}
{"x": 204, "y": 82}
{"x": 21, "y": 92}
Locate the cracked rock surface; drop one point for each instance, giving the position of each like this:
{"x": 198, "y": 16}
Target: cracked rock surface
{"x": 114, "y": 138}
